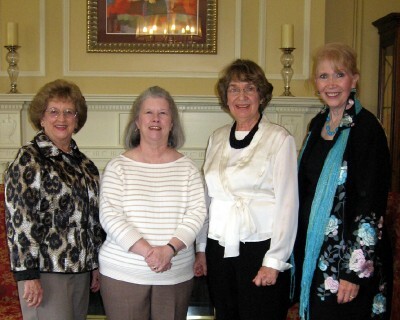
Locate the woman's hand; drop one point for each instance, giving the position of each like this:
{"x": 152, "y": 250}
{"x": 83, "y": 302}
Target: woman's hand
{"x": 266, "y": 277}
{"x": 347, "y": 291}
{"x": 95, "y": 284}
{"x": 159, "y": 258}
{"x": 33, "y": 292}
{"x": 200, "y": 264}
{"x": 141, "y": 247}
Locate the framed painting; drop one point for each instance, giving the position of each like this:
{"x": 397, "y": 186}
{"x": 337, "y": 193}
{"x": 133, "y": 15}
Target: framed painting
{"x": 152, "y": 26}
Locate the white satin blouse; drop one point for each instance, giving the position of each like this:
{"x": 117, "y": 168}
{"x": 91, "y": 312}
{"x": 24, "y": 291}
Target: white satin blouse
{"x": 253, "y": 192}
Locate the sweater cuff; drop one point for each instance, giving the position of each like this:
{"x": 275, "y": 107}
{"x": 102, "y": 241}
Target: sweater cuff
{"x": 187, "y": 238}
{"x": 128, "y": 240}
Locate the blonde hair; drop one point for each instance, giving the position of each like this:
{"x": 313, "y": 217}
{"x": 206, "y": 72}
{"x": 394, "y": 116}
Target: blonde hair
{"x": 339, "y": 54}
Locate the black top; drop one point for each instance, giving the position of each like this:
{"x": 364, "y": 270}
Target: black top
{"x": 313, "y": 164}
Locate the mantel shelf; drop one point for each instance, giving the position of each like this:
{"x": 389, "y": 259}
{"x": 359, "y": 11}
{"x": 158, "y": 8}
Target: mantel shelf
{"x": 101, "y": 138}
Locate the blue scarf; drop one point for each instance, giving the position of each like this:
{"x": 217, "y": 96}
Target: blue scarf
{"x": 321, "y": 208}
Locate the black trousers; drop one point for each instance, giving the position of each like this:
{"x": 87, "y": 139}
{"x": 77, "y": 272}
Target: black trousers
{"x": 234, "y": 295}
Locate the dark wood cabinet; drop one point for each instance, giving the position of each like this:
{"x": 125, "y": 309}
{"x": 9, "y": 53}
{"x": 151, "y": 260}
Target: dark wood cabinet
{"x": 389, "y": 87}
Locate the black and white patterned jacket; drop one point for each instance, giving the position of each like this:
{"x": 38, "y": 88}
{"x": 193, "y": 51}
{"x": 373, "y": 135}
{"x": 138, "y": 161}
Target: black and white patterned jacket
{"x": 52, "y": 210}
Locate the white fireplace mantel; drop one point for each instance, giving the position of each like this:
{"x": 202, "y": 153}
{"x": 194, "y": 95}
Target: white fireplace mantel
{"x": 101, "y": 138}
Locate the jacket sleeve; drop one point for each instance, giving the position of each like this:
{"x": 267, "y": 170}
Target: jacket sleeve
{"x": 22, "y": 190}
{"x": 95, "y": 231}
{"x": 367, "y": 190}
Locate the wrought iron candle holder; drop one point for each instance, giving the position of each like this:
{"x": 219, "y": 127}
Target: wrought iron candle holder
{"x": 12, "y": 58}
{"x": 287, "y": 71}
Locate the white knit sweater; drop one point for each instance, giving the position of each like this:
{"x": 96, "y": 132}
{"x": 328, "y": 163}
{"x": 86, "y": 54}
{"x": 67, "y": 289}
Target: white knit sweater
{"x": 155, "y": 202}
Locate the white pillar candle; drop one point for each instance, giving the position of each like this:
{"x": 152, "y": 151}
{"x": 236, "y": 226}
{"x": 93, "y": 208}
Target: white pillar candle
{"x": 12, "y": 34}
{"x": 287, "y": 36}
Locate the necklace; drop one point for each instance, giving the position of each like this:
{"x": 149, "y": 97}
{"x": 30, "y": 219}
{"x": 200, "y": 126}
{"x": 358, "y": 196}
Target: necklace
{"x": 328, "y": 127}
{"x": 240, "y": 144}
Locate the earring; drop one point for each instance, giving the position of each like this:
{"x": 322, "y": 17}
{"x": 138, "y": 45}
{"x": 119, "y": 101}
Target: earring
{"x": 353, "y": 90}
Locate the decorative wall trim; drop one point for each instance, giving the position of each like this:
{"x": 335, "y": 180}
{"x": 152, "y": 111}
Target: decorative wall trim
{"x": 238, "y": 28}
{"x": 358, "y": 29}
{"x": 144, "y": 74}
{"x": 42, "y": 47}
{"x": 262, "y": 22}
{"x": 306, "y": 42}
{"x": 101, "y": 138}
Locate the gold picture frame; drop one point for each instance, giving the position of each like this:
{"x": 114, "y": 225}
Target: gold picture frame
{"x": 152, "y": 26}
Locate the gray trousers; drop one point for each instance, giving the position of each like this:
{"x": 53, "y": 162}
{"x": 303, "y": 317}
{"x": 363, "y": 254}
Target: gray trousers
{"x": 65, "y": 297}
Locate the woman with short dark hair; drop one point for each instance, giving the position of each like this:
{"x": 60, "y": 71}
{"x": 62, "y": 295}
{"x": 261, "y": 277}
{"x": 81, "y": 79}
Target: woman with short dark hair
{"x": 251, "y": 177}
{"x": 52, "y": 214}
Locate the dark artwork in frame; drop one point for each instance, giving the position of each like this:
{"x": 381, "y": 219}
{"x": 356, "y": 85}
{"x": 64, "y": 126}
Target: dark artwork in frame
{"x": 156, "y": 26}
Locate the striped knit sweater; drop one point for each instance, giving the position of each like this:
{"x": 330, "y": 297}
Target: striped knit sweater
{"x": 155, "y": 202}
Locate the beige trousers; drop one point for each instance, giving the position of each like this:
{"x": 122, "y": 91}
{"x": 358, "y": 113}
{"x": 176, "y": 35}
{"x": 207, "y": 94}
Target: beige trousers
{"x": 129, "y": 301}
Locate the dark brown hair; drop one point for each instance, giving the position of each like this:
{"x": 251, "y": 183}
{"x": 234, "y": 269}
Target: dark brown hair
{"x": 248, "y": 71}
{"x": 58, "y": 90}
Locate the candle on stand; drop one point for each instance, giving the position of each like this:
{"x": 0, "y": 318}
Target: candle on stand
{"x": 287, "y": 36}
{"x": 12, "y": 34}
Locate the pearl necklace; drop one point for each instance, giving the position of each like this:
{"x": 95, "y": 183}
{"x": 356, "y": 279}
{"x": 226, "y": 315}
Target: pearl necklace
{"x": 328, "y": 127}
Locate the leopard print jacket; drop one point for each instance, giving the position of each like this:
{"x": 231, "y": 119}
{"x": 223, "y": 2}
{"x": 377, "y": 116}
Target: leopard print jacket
{"x": 52, "y": 212}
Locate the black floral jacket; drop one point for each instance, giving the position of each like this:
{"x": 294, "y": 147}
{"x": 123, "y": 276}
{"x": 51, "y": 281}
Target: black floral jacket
{"x": 353, "y": 247}
{"x": 52, "y": 212}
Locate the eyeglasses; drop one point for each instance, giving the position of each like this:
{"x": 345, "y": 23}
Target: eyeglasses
{"x": 55, "y": 113}
{"x": 249, "y": 90}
